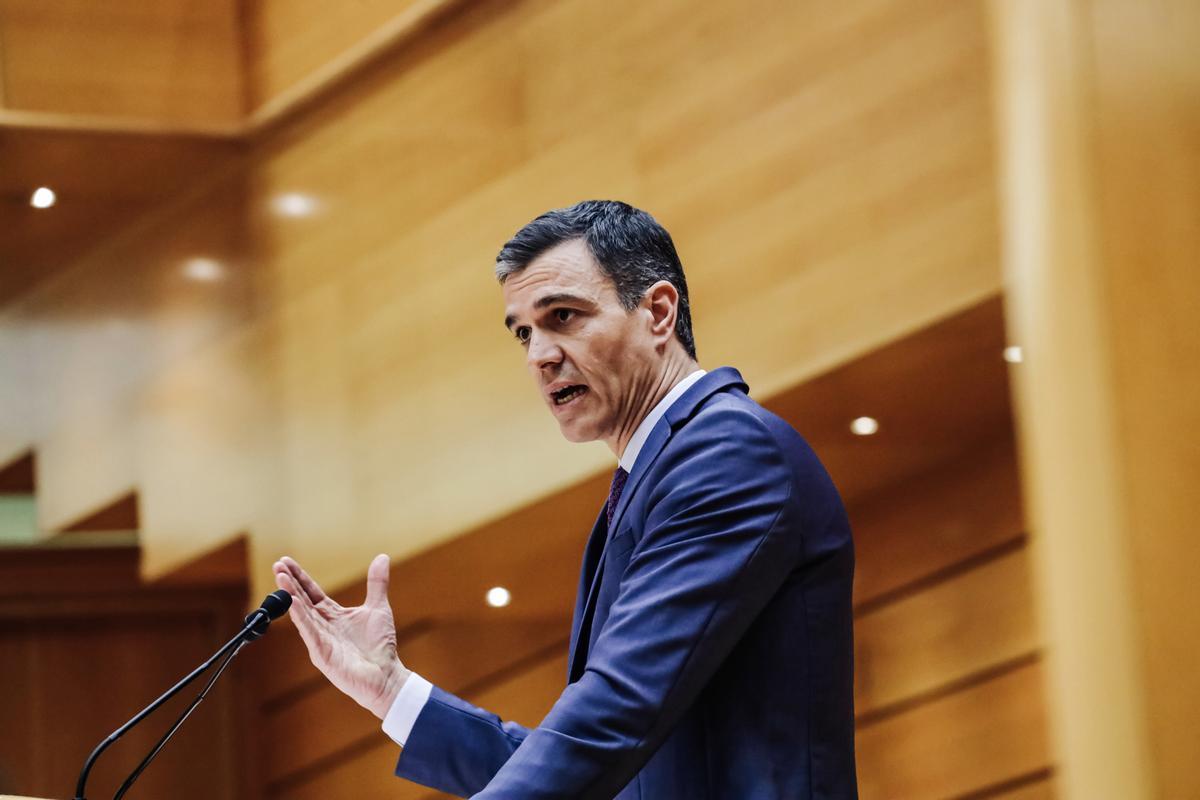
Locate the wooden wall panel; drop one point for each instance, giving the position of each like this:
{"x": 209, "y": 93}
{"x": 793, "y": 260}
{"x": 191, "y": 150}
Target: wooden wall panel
{"x": 1148, "y": 152}
{"x": 817, "y": 238}
{"x": 207, "y": 443}
{"x": 965, "y": 742}
{"x": 940, "y": 396}
{"x": 99, "y": 331}
{"x": 169, "y": 61}
{"x": 288, "y": 42}
{"x": 480, "y": 164}
{"x": 104, "y": 182}
{"x": 525, "y": 697}
{"x": 16, "y": 745}
{"x": 955, "y": 629}
{"x": 978, "y": 512}
{"x": 1042, "y": 789}
{"x": 1101, "y": 156}
{"x": 83, "y": 647}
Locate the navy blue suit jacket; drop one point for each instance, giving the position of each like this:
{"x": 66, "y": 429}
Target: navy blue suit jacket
{"x": 711, "y": 648}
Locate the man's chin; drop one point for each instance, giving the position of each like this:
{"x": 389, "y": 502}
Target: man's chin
{"x": 574, "y": 434}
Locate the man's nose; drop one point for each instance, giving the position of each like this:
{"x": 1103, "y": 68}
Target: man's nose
{"x": 543, "y": 351}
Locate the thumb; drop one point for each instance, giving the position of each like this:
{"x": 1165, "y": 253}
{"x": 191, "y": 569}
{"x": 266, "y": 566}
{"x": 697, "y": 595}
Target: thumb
{"x": 377, "y": 580}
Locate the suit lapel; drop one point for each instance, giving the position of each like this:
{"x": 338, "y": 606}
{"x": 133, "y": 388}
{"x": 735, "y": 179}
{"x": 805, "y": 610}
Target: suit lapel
{"x": 676, "y": 415}
{"x": 587, "y": 576}
{"x": 650, "y": 450}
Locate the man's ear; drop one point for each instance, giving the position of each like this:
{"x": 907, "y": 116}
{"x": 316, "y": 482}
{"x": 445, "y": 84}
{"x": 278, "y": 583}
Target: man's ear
{"x": 662, "y": 301}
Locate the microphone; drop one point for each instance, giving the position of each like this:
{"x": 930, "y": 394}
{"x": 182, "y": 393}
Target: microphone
{"x": 274, "y": 606}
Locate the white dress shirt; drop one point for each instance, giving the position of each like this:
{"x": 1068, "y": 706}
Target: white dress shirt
{"x": 413, "y": 695}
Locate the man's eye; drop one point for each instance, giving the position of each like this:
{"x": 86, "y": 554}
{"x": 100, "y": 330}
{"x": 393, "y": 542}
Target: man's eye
{"x": 522, "y": 335}
{"x": 564, "y": 314}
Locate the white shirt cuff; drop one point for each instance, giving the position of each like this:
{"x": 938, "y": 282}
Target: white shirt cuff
{"x": 401, "y": 717}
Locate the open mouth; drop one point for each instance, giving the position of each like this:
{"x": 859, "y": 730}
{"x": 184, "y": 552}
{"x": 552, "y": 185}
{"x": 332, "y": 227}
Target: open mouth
{"x": 568, "y": 393}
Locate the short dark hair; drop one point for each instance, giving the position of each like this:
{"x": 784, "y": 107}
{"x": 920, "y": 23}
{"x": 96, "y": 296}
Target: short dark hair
{"x": 632, "y": 249}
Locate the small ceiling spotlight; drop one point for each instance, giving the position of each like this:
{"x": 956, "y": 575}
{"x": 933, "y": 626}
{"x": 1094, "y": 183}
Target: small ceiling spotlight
{"x": 498, "y": 597}
{"x": 43, "y": 197}
{"x": 864, "y": 426}
{"x": 203, "y": 270}
{"x": 1013, "y": 354}
{"x": 295, "y": 204}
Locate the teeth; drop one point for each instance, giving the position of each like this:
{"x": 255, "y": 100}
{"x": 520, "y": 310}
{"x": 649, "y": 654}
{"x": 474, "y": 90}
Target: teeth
{"x": 569, "y": 396}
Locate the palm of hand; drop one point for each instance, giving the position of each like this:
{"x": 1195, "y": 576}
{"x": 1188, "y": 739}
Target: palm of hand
{"x": 354, "y": 647}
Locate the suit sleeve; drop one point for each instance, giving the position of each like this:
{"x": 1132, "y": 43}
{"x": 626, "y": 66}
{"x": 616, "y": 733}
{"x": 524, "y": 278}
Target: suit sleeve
{"x": 455, "y": 747}
{"x": 720, "y": 538}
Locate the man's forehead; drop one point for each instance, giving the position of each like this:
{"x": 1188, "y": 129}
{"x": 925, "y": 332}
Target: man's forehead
{"x": 548, "y": 295}
{"x": 569, "y": 261}
{"x": 558, "y": 274}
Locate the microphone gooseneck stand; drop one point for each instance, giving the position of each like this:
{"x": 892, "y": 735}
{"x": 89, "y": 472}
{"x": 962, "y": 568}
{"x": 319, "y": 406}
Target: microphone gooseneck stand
{"x": 273, "y": 607}
{"x": 133, "y": 776}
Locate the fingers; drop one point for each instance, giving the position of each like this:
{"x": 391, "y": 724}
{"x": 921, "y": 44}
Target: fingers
{"x": 311, "y": 588}
{"x": 301, "y": 607}
{"x": 377, "y": 580}
{"x": 302, "y": 613}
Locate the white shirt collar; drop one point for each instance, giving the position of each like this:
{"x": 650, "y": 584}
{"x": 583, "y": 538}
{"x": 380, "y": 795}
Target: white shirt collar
{"x": 629, "y": 457}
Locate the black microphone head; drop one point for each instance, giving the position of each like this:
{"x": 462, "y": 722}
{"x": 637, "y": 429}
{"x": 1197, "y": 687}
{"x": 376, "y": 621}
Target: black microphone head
{"x": 276, "y": 604}
{"x": 273, "y": 607}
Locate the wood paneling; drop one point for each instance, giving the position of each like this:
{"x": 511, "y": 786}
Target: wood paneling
{"x": 1148, "y": 151}
{"x": 224, "y": 565}
{"x": 978, "y": 511}
{"x": 1101, "y": 156}
{"x": 966, "y": 741}
{"x": 524, "y": 697}
{"x": 171, "y": 60}
{"x": 83, "y": 647}
{"x": 84, "y": 343}
{"x": 960, "y": 627}
{"x": 294, "y": 45}
{"x": 119, "y": 515}
{"x": 104, "y": 183}
{"x": 1042, "y": 789}
{"x": 16, "y": 477}
{"x": 29, "y": 571}
{"x": 837, "y": 193}
{"x": 940, "y": 396}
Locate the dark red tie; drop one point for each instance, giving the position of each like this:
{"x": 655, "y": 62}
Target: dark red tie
{"x": 614, "y": 492}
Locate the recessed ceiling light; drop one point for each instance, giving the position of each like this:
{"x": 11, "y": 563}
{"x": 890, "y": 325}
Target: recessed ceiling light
{"x": 498, "y": 597}
{"x": 43, "y": 197}
{"x": 1013, "y": 354}
{"x": 864, "y": 426}
{"x": 204, "y": 270}
{"x": 295, "y": 204}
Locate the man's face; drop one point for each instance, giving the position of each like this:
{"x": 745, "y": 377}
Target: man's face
{"x": 590, "y": 358}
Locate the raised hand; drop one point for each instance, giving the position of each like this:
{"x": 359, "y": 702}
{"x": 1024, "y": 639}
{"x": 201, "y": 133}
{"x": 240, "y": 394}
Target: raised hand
{"x": 354, "y": 647}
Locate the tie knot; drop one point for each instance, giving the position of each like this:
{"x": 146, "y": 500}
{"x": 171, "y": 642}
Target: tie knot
{"x": 614, "y": 492}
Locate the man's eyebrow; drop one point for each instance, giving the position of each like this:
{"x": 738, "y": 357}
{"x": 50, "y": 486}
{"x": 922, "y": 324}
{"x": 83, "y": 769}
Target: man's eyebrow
{"x": 561, "y": 297}
{"x": 552, "y": 299}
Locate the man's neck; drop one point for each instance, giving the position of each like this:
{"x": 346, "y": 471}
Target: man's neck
{"x": 673, "y": 371}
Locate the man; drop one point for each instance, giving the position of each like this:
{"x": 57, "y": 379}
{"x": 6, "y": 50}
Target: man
{"x": 711, "y": 650}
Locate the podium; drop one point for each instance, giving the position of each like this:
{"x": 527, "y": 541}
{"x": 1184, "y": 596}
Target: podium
{"x": 19, "y": 797}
